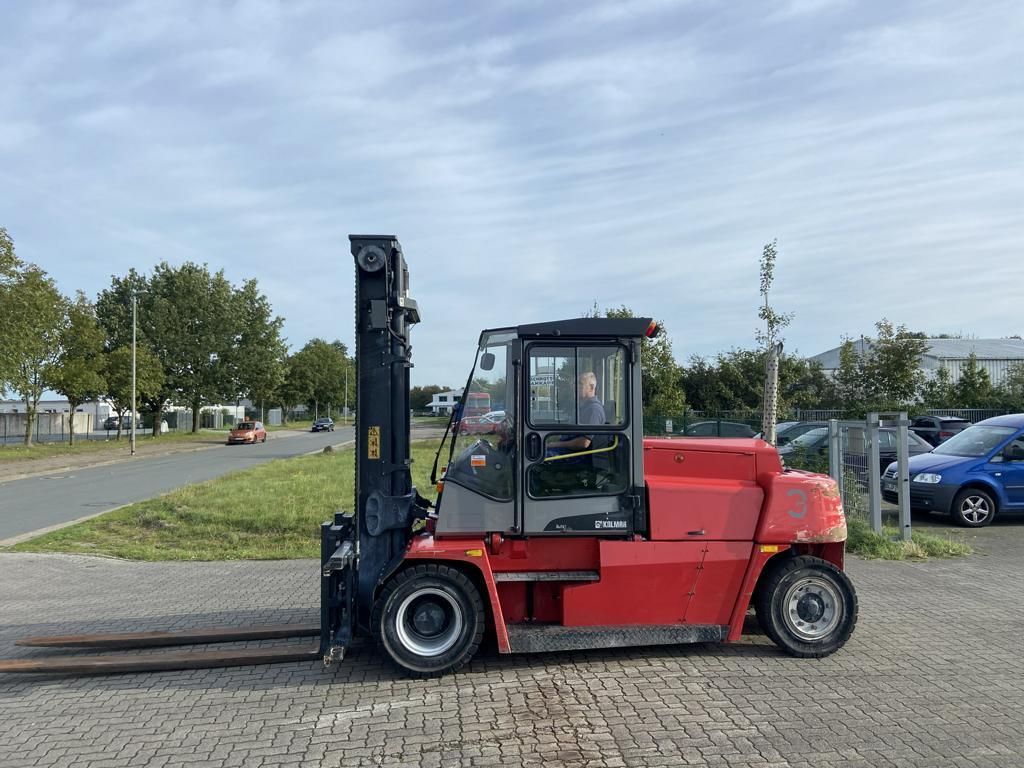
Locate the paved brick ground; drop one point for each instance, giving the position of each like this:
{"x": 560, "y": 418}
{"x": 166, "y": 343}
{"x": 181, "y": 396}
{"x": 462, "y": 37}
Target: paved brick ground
{"x": 933, "y": 676}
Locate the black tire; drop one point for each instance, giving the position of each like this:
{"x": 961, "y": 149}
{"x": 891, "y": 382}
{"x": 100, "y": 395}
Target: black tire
{"x": 429, "y": 620}
{"x": 973, "y": 508}
{"x": 807, "y": 606}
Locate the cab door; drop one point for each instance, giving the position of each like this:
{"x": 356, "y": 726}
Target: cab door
{"x": 580, "y": 435}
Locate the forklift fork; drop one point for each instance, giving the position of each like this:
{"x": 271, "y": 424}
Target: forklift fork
{"x": 335, "y": 630}
{"x": 114, "y": 663}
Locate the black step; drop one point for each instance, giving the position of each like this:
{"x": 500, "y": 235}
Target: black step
{"x": 544, "y": 638}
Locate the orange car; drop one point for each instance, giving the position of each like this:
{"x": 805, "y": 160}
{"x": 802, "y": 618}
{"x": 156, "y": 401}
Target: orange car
{"x": 248, "y": 432}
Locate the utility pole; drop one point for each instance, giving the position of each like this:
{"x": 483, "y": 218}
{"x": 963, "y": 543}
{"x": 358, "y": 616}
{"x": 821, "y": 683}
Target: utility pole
{"x": 135, "y": 301}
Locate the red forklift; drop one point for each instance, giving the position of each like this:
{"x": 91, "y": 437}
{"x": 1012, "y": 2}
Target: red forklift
{"x": 566, "y": 529}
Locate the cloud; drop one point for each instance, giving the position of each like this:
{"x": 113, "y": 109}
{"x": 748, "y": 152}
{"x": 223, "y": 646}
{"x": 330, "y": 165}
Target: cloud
{"x": 533, "y": 158}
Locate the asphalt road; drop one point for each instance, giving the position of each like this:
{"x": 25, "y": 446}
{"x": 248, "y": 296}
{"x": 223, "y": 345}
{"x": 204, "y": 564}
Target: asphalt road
{"x": 40, "y": 502}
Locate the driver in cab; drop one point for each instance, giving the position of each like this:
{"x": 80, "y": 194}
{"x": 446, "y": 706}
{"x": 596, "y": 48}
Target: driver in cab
{"x": 591, "y": 411}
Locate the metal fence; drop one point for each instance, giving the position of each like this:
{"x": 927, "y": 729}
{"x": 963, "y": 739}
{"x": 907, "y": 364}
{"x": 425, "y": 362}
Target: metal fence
{"x": 855, "y": 462}
{"x": 729, "y": 423}
{"x": 46, "y": 428}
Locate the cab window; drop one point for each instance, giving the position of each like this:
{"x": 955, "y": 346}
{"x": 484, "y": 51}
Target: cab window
{"x": 555, "y": 385}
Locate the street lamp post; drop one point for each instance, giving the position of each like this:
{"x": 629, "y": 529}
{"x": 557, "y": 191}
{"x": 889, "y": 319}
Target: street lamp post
{"x": 135, "y": 301}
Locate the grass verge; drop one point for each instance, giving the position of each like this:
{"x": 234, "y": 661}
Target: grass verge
{"x": 14, "y": 453}
{"x": 885, "y": 546}
{"x": 269, "y": 512}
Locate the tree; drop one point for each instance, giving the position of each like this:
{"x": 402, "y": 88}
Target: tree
{"x": 774, "y": 322}
{"x": 149, "y": 378}
{"x": 78, "y": 373}
{"x": 316, "y": 375}
{"x": 661, "y": 375}
{"x": 189, "y": 326}
{"x": 1012, "y": 388}
{"x": 732, "y": 382}
{"x": 10, "y": 267}
{"x": 257, "y": 358}
{"x": 880, "y": 374}
{"x": 8, "y": 260}
{"x": 420, "y": 397}
{"x": 114, "y": 312}
{"x": 32, "y": 313}
{"x": 892, "y": 368}
{"x": 938, "y": 391}
{"x": 216, "y": 343}
{"x": 771, "y": 342}
{"x": 974, "y": 389}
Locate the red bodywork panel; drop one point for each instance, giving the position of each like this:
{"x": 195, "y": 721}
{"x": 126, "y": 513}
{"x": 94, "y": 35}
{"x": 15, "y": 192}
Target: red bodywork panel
{"x": 719, "y": 509}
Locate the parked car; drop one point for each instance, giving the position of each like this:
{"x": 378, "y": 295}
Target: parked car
{"x": 814, "y": 444}
{"x": 488, "y": 424}
{"x": 323, "y": 425}
{"x": 795, "y": 429}
{"x": 937, "y": 429}
{"x": 719, "y": 429}
{"x": 248, "y": 432}
{"x": 973, "y": 476}
{"x": 110, "y": 423}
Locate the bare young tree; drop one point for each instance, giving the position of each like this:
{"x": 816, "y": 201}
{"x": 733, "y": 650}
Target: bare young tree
{"x": 771, "y": 341}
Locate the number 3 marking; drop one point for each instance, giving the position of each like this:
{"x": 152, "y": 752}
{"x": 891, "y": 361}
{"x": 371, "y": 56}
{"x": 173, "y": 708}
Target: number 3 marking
{"x": 800, "y": 504}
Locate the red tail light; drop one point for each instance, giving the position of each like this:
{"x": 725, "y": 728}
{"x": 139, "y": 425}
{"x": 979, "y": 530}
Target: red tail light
{"x": 945, "y": 435}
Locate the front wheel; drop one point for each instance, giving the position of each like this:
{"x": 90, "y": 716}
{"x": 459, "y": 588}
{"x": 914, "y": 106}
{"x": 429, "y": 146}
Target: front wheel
{"x": 973, "y": 508}
{"x": 429, "y": 619}
{"x": 807, "y": 606}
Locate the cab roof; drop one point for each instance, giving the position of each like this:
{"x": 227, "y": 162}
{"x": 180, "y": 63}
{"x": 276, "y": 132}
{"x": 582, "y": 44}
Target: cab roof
{"x": 600, "y": 327}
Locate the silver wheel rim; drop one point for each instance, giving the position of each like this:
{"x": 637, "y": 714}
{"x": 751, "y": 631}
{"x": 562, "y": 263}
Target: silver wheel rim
{"x": 975, "y": 509}
{"x": 432, "y": 644}
{"x": 812, "y": 608}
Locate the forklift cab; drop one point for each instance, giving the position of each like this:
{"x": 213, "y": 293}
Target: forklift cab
{"x": 568, "y": 457}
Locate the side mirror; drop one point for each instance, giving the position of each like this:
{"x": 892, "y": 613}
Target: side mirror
{"x": 486, "y": 361}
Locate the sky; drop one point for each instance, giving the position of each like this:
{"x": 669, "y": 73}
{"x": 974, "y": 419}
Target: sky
{"x": 533, "y": 158}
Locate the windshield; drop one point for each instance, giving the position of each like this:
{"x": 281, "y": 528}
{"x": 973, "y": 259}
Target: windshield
{"x": 483, "y": 456}
{"x": 975, "y": 441}
{"x": 245, "y": 425}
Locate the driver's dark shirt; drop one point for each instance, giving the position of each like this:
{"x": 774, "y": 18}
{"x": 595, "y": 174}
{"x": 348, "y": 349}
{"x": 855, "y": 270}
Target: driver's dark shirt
{"x": 591, "y": 411}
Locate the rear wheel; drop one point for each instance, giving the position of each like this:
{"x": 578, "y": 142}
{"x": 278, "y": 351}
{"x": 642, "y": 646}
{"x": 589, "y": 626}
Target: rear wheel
{"x": 973, "y": 508}
{"x": 807, "y": 606}
{"x": 429, "y": 619}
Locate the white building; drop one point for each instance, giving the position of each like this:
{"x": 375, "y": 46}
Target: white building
{"x": 996, "y": 356}
{"x": 99, "y": 409}
{"x": 444, "y": 402}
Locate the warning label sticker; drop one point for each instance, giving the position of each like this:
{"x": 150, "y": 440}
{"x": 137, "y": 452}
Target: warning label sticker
{"x": 373, "y": 443}
{"x": 478, "y": 460}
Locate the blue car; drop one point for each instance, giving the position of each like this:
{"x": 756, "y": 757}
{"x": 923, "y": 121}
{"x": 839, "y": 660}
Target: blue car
{"x": 972, "y": 476}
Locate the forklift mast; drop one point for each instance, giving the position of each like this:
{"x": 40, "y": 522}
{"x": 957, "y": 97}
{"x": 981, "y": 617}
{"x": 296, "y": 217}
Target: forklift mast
{"x": 359, "y": 550}
{"x": 384, "y": 492}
